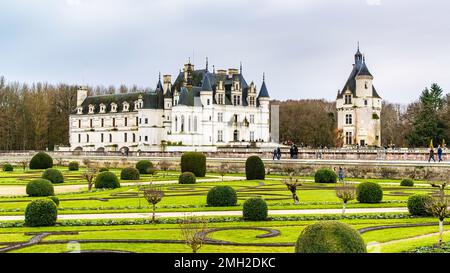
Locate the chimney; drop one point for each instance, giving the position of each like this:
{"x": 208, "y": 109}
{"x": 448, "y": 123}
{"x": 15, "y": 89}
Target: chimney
{"x": 232, "y": 71}
{"x": 82, "y": 94}
{"x": 222, "y": 72}
{"x": 167, "y": 79}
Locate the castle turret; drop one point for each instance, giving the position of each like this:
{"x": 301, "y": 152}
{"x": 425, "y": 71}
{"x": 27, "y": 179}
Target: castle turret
{"x": 263, "y": 97}
{"x": 206, "y": 93}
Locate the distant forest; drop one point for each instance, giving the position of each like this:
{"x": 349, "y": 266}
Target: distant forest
{"x": 36, "y": 117}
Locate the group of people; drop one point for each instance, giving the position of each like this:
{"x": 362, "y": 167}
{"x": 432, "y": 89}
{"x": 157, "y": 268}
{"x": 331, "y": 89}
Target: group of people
{"x": 276, "y": 154}
{"x": 293, "y": 151}
{"x": 439, "y": 153}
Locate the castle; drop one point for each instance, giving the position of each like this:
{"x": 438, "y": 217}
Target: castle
{"x": 200, "y": 108}
{"x": 359, "y": 107}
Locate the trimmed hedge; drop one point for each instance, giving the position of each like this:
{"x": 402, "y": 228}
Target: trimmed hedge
{"x": 325, "y": 176}
{"x": 41, "y": 161}
{"x": 129, "y": 173}
{"x": 194, "y": 162}
{"x": 8, "y": 167}
{"x": 221, "y": 196}
{"x": 255, "y": 209}
{"x": 53, "y": 175}
{"x": 74, "y": 166}
{"x": 407, "y": 183}
{"x": 40, "y": 213}
{"x": 417, "y": 204}
{"x": 145, "y": 167}
{"x": 40, "y": 187}
{"x": 330, "y": 237}
{"x": 103, "y": 169}
{"x": 55, "y": 200}
{"x": 187, "y": 178}
{"x": 106, "y": 180}
{"x": 369, "y": 192}
{"x": 254, "y": 168}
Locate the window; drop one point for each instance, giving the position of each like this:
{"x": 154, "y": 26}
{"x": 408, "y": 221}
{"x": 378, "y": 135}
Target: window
{"x": 208, "y": 102}
{"x": 110, "y": 137}
{"x": 80, "y": 110}
{"x": 220, "y": 117}
{"x": 102, "y": 108}
{"x": 220, "y": 136}
{"x": 235, "y": 118}
{"x": 348, "y": 138}
{"x": 103, "y": 122}
{"x": 146, "y": 138}
{"x": 348, "y": 119}
{"x": 126, "y": 106}
{"x": 220, "y": 99}
{"x": 252, "y": 118}
{"x": 234, "y": 100}
{"x": 90, "y": 123}
{"x": 195, "y": 124}
{"x": 79, "y": 123}
{"x": 365, "y": 102}
{"x": 348, "y": 99}
{"x": 101, "y": 137}
{"x": 252, "y": 136}
{"x": 113, "y": 107}
{"x": 146, "y": 121}
{"x": 137, "y": 121}
{"x": 79, "y": 138}
{"x": 126, "y": 122}
{"x": 87, "y": 138}
{"x": 365, "y": 85}
{"x": 140, "y": 120}
{"x": 134, "y": 137}
{"x": 91, "y": 109}
{"x": 176, "y": 124}
{"x": 238, "y": 100}
{"x": 114, "y": 122}
{"x": 125, "y": 137}
{"x": 189, "y": 123}
{"x": 182, "y": 124}
{"x": 252, "y": 101}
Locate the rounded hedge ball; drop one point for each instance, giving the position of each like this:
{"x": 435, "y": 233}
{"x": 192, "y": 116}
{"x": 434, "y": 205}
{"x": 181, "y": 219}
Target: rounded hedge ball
{"x": 145, "y": 167}
{"x": 129, "y": 173}
{"x": 325, "y": 176}
{"x": 221, "y": 196}
{"x": 53, "y": 175}
{"x": 106, "y": 180}
{"x": 8, "y": 167}
{"x": 40, "y": 187}
{"x": 103, "y": 169}
{"x": 369, "y": 192}
{"x": 194, "y": 162}
{"x": 417, "y": 204}
{"x": 407, "y": 183}
{"x": 41, "y": 213}
{"x": 74, "y": 166}
{"x": 330, "y": 237}
{"x": 55, "y": 200}
{"x": 254, "y": 168}
{"x": 187, "y": 178}
{"x": 41, "y": 161}
{"x": 255, "y": 209}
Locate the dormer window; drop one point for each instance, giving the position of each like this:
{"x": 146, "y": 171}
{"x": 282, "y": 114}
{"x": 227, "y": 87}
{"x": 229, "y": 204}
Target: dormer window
{"x": 365, "y": 85}
{"x": 113, "y": 107}
{"x": 102, "y": 108}
{"x": 80, "y": 110}
{"x": 91, "y": 109}
{"x": 126, "y": 106}
{"x": 348, "y": 99}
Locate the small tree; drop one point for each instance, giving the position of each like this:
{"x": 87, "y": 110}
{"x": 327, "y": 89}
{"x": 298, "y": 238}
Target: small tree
{"x": 86, "y": 162}
{"x": 223, "y": 169}
{"x": 289, "y": 169}
{"x": 123, "y": 162}
{"x": 24, "y": 164}
{"x": 60, "y": 161}
{"x": 345, "y": 193}
{"x": 89, "y": 175}
{"x": 107, "y": 164}
{"x": 115, "y": 164}
{"x": 438, "y": 205}
{"x": 153, "y": 195}
{"x": 292, "y": 185}
{"x": 164, "y": 166}
{"x": 193, "y": 230}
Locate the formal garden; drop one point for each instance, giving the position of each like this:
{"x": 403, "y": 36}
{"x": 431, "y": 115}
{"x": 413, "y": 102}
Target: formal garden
{"x": 88, "y": 206}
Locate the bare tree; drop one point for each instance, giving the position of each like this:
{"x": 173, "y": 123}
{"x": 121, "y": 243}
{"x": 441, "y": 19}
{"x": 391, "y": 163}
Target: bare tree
{"x": 164, "y": 166}
{"x": 224, "y": 168}
{"x": 345, "y": 193}
{"x": 89, "y": 175}
{"x": 193, "y": 230}
{"x": 86, "y": 162}
{"x": 115, "y": 164}
{"x": 107, "y": 164}
{"x": 24, "y": 164}
{"x": 153, "y": 195}
{"x": 439, "y": 208}
{"x": 292, "y": 185}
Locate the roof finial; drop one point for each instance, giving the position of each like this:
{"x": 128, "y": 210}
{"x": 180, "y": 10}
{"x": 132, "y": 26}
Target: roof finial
{"x": 214, "y": 69}
{"x": 159, "y": 76}
{"x": 264, "y": 76}
{"x": 206, "y": 63}
{"x": 189, "y": 60}
{"x": 240, "y": 68}
{"x": 358, "y": 45}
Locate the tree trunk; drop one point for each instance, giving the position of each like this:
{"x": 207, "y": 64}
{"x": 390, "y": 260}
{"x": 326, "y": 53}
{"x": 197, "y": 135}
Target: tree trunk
{"x": 154, "y": 209}
{"x": 344, "y": 206}
{"x": 441, "y": 230}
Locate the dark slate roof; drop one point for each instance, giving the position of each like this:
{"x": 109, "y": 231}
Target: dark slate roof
{"x": 263, "y": 93}
{"x": 363, "y": 70}
{"x": 206, "y": 85}
{"x": 186, "y": 97}
{"x": 359, "y": 69}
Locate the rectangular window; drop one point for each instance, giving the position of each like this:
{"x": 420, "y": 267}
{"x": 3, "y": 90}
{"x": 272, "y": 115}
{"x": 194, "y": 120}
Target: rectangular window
{"x": 252, "y": 136}
{"x": 252, "y": 118}
{"x": 110, "y": 137}
{"x": 348, "y": 138}
{"x": 103, "y": 122}
{"x": 146, "y": 138}
{"x": 348, "y": 99}
{"x": 126, "y": 122}
{"x": 220, "y": 136}
{"x": 146, "y": 121}
{"x": 207, "y": 102}
{"x": 137, "y": 121}
{"x": 220, "y": 117}
{"x": 79, "y": 138}
{"x": 348, "y": 119}
{"x": 87, "y": 138}
{"x": 114, "y": 122}
{"x": 125, "y": 137}
{"x": 101, "y": 137}
{"x": 90, "y": 123}
{"x": 79, "y": 123}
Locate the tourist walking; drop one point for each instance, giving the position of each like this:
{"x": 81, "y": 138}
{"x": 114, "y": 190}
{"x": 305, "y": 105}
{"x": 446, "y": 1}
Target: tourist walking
{"x": 431, "y": 155}
{"x": 341, "y": 174}
{"x": 278, "y": 153}
{"x": 275, "y": 154}
{"x": 295, "y": 152}
{"x": 291, "y": 151}
{"x": 439, "y": 151}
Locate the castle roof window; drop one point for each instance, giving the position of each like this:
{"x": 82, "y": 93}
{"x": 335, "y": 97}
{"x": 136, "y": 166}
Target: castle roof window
{"x": 102, "y": 108}
{"x": 113, "y": 107}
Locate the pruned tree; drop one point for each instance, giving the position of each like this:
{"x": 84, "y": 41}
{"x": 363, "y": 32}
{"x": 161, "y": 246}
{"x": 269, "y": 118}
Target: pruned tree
{"x": 224, "y": 168}
{"x": 86, "y": 162}
{"x": 289, "y": 169}
{"x": 292, "y": 184}
{"x": 164, "y": 166}
{"x": 345, "y": 193}
{"x": 89, "y": 175}
{"x": 193, "y": 230}
{"x": 438, "y": 205}
{"x": 24, "y": 164}
{"x": 153, "y": 195}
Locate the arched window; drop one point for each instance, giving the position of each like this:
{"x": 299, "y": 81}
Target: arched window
{"x": 87, "y": 138}
{"x": 176, "y": 124}
{"x": 189, "y": 123}
{"x": 182, "y": 123}
{"x": 195, "y": 123}
{"x": 236, "y": 135}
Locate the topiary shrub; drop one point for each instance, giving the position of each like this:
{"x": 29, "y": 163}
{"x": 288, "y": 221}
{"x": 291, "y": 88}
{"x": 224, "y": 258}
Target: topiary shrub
{"x": 54, "y": 199}
{"x": 194, "y": 162}
{"x": 325, "y": 176}
{"x": 330, "y": 237}
{"x": 41, "y": 161}
{"x": 186, "y": 178}
{"x": 8, "y": 167}
{"x": 255, "y": 209}
{"x": 417, "y": 204}
{"x": 53, "y": 175}
{"x": 145, "y": 167}
{"x": 74, "y": 166}
{"x": 129, "y": 173}
{"x": 40, "y": 213}
{"x": 369, "y": 192}
{"x": 106, "y": 180}
{"x": 407, "y": 183}
{"x": 40, "y": 187}
{"x": 254, "y": 168}
{"x": 221, "y": 196}
{"x": 103, "y": 169}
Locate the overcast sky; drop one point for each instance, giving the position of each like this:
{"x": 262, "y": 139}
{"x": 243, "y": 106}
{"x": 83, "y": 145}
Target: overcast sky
{"x": 305, "y": 47}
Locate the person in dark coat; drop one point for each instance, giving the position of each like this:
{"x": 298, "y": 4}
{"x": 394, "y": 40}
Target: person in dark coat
{"x": 291, "y": 151}
{"x": 275, "y": 154}
{"x": 439, "y": 151}
{"x": 431, "y": 155}
{"x": 341, "y": 174}
{"x": 278, "y": 153}
{"x": 295, "y": 151}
